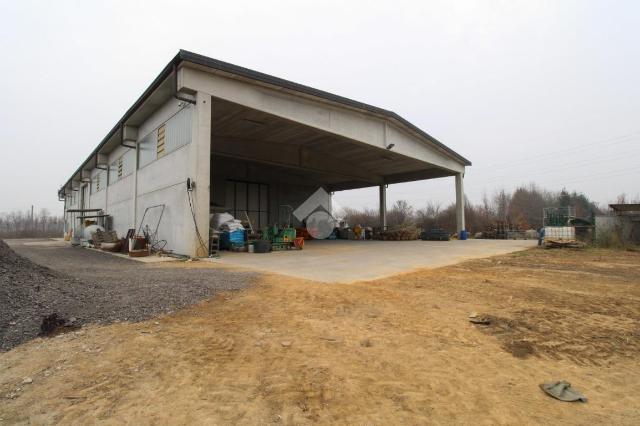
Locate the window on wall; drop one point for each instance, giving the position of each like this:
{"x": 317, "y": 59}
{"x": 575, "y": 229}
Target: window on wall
{"x": 98, "y": 182}
{"x": 122, "y": 167}
{"x": 166, "y": 138}
{"x": 160, "y": 141}
{"x": 249, "y": 197}
{"x": 113, "y": 173}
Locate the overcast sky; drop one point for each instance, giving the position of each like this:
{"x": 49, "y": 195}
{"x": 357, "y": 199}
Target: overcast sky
{"x": 529, "y": 91}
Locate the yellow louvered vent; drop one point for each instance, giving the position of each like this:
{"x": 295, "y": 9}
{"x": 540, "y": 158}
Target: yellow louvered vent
{"x": 119, "y": 167}
{"x": 160, "y": 146}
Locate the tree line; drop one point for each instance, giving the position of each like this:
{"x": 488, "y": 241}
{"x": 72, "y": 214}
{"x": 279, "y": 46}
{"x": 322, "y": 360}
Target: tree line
{"x": 26, "y": 224}
{"x": 522, "y": 209}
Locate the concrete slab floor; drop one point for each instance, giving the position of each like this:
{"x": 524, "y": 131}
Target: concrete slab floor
{"x": 347, "y": 261}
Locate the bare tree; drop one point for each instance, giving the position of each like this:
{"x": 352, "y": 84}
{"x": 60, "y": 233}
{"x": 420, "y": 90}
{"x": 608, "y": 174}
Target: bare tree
{"x": 23, "y": 225}
{"x": 400, "y": 214}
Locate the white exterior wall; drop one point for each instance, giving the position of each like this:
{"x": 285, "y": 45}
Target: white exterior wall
{"x": 98, "y": 200}
{"x": 120, "y": 205}
{"x": 72, "y": 202}
{"x": 162, "y": 181}
{"x": 120, "y": 197}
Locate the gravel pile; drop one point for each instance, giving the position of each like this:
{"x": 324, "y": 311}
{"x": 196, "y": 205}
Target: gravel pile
{"x": 82, "y": 286}
{"x": 29, "y": 292}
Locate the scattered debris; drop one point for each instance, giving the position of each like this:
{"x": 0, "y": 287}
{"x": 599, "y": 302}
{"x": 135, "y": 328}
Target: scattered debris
{"x": 53, "y": 325}
{"x": 562, "y": 391}
{"x": 27, "y": 380}
{"x": 561, "y": 243}
{"x": 477, "y": 319}
{"x": 285, "y": 343}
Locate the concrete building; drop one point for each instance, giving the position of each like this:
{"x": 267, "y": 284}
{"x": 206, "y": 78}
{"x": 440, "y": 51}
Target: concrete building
{"x": 623, "y": 224}
{"x": 249, "y": 142}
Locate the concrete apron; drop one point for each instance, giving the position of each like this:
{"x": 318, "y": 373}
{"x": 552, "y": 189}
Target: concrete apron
{"x": 343, "y": 261}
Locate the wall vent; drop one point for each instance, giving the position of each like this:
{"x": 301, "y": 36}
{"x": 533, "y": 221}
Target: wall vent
{"x": 160, "y": 139}
{"x": 119, "y": 167}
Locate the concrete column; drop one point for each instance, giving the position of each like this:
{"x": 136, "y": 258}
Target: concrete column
{"x": 102, "y": 160}
{"x": 200, "y": 171}
{"x": 130, "y": 137}
{"x": 460, "y": 203}
{"x": 134, "y": 195}
{"x": 383, "y": 206}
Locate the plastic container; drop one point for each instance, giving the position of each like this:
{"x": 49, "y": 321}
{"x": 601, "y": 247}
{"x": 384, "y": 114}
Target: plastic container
{"x": 464, "y": 235}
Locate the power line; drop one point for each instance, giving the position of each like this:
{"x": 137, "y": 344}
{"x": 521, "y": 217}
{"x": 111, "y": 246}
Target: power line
{"x": 578, "y": 148}
{"x": 563, "y": 166}
{"x": 605, "y": 175}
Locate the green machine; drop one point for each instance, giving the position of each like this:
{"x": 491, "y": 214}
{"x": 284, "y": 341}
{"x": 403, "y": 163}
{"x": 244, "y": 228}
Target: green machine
{"x": 281, "y": 238}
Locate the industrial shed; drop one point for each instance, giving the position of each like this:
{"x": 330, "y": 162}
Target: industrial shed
{"x": 249, "y": 142}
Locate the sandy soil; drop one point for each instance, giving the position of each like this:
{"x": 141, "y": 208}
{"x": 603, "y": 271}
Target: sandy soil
{"x": 399, "y": 350}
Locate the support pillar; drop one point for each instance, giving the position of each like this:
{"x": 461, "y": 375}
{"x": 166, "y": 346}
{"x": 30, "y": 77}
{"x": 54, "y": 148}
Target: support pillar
{"x": 460, "y": 225}
{"x": 130, "y": 138}
{"x": 200, "y": 170}
{"x": 383, "y": 206}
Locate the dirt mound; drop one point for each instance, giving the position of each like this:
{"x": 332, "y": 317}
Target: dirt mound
{"x": 28, "y": 293}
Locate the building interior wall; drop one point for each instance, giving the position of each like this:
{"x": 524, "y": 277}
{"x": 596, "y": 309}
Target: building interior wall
{"x": 285, "y": 186}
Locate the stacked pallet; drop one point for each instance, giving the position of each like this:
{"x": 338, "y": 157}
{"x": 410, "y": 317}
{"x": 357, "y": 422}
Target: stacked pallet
{"x": 563, "y": 243}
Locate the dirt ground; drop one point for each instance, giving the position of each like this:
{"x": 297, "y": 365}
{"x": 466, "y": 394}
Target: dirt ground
{"x": 398, "y": 350}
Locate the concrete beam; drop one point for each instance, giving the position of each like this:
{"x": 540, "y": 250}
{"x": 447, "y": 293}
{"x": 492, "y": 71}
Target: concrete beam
{"x": 291, "y": 156}
{"x": 102, "y": 160}
{"x": 358, "y": 126}
{"x": 85, "y": 175}
{"x": 417, "y": 175}
{"x": 129, "y": 134}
